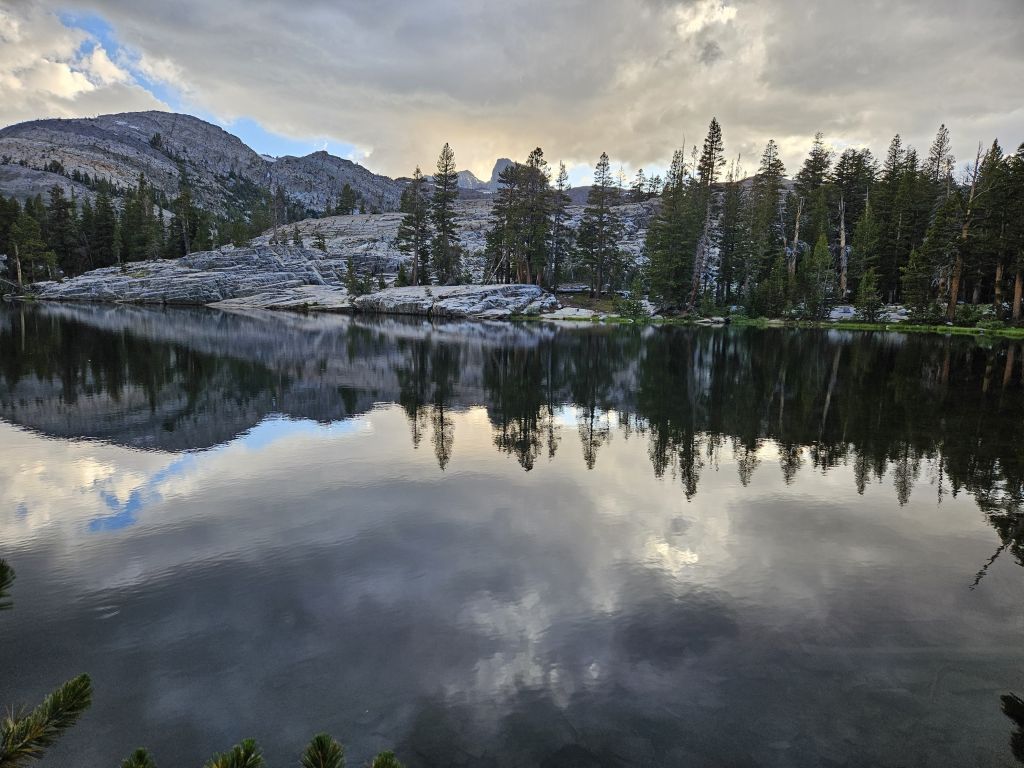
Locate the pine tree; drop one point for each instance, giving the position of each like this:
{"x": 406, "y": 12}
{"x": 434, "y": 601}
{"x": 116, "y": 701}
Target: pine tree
{"x": 916, "y": 283}
{"x": 731, "y": 235}
{"x": 347, "y": 200}
{"x": 712, "y": 160}
{"x": 869, "y": 300}
{"x": 940, "y": 163}
{"x": 30, "y": 251}
{"x": 765, "y": 240}
{"x": 866, "y": 241}
{"x": 638, "y": 192}
{"x": 601, "y": 229}
{"x": 104, "y": 237}
{"x": 445, "y": 250}
{"x": 562, "y": 235}
{"x": 62, "y": 231}
{"x": 296, "y": 237}
{"x": 414, "y": 230}
{"x": 816, "y": 280}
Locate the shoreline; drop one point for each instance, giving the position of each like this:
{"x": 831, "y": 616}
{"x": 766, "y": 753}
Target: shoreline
{"x": 1010, "y": 332}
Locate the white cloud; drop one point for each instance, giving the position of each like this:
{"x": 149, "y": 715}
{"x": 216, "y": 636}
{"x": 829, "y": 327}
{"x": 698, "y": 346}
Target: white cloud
{"x": 49, "y": 70}
{"x": 578, "y": 77}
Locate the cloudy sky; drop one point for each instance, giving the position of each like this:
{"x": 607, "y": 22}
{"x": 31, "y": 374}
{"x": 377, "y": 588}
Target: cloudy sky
{"x": 386, "y": 82}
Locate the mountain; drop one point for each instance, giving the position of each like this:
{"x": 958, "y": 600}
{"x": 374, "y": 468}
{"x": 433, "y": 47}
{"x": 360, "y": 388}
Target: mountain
{"x": 468, "y": 180}
{"x": 225, "y": 174}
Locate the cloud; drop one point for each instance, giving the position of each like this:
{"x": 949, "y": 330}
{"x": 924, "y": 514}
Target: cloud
{"x": 50, "y": 70}
{"x": 635, "y": 78}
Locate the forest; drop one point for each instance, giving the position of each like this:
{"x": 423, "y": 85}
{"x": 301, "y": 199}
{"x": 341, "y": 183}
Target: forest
{"x": 946, "y": 241}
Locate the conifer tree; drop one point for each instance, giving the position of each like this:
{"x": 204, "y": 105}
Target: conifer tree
{"x": 816, "y": 279}
{"x": 864, "y": 250}
{"x": 30, "y": 251}
{"x": 562, "y": 235}
{"x": 869, "y": 300}
{"x": 445, "y": 250}
{"x": 601, "y": 229}
{"x": 414, "y": 230}
{"x": 104, "y": 237}
{"x": 916, "y": 283}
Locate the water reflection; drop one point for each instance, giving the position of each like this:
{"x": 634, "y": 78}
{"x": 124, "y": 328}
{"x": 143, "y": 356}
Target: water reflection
{"x": 731, "y": 546}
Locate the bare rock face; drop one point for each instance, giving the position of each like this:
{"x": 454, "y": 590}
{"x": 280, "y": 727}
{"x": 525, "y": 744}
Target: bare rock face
{"x": 275, "y": 273}
{"x": 285, "y": 278}
{"x": 491, "y": 302}
{"x": 220, "y": 167}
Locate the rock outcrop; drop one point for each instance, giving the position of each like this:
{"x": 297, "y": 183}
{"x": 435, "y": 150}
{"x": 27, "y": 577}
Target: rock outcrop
{"x": 493, "y": 302}
{"x": 208, "y": 277}
{"x": 285, "y": 278}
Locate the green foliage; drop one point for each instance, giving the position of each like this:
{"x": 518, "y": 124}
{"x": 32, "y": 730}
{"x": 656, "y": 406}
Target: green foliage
{"x": 140, "y": 758}
{"x": 444, "y": 248}
{"x": 414, "y": 230}
{"x": 244, "y": 755}
{"x": 386, "y": 760}
{"x": 296, "y": 237}
{"x": 355, "y": 283}
{"x": 869, "y": 300}
{"x": 968, "y": 315}
{"x": 816, "y": 280}
{"x": 916, "y": 282}
{"x": 601, "y": 230}
{"x": 402, "y": 279}
{"x": 319, "y": 242}
{"x": 25, "y": 738}
{"x": 633, "y": 305}
{"x": 520, "y": 233}
{"x": 323, "y": 752}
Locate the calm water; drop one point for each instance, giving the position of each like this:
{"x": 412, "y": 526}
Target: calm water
{"x": 512, "y": 545}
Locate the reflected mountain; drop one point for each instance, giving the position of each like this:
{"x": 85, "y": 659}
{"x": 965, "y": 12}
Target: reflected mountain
{"x": 190, "y": 379}
{"x": 504, "y": 594}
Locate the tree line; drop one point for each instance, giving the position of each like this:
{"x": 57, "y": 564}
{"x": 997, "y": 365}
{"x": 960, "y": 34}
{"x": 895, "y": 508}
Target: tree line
{"x": 63, "y": 235}
{"x": 846, "y": 228}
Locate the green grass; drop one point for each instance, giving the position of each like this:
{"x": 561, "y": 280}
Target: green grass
{"x": 1009, "y": 332}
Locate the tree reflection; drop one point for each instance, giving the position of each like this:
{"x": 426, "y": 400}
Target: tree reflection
{"x": 888, "y": 407}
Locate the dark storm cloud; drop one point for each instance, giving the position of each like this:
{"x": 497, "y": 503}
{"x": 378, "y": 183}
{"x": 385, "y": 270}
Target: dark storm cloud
{"x": 577, "y": 77}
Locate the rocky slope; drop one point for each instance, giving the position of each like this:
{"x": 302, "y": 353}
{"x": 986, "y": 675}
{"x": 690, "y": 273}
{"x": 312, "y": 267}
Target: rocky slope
{"x": 220, "y": 167}
{"x": 370, "y": 239}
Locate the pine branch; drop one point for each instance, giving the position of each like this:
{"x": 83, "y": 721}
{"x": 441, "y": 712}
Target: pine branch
{"x": 25, "y": 738}
{"x": 6, "y": 580}
{"x": 386, "y": 760}
{"x": 323, "y": 752}
{"x": 244, "y": 755}
{"x": 140, "y": 758}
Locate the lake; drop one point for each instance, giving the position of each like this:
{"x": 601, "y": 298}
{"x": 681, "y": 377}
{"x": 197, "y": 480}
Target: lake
{"x": 512, "y": 545}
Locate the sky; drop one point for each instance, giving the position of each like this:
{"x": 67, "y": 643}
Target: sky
{"x": 387, "y": 82}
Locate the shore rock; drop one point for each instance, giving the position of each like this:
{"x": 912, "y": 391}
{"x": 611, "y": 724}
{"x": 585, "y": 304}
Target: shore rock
{"x": 285, "y": 278}
{"x": 492, "y": 302}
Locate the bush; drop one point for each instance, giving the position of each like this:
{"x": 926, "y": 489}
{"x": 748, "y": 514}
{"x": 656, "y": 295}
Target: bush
{"x": 968, "y": 315}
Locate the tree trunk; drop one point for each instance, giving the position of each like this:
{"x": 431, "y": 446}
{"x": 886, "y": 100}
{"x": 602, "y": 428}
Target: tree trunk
{"x": 843, "y": 259}
{"x": 954, "y": 287}
{"x": 1018, "y": 292}
{"x": 999, "y": 290}
{"x": 958, "y": 266}
{"x": 791, "y": 267}
{"x": 17, "y": 266}
{"x": 1011, "y": 354}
